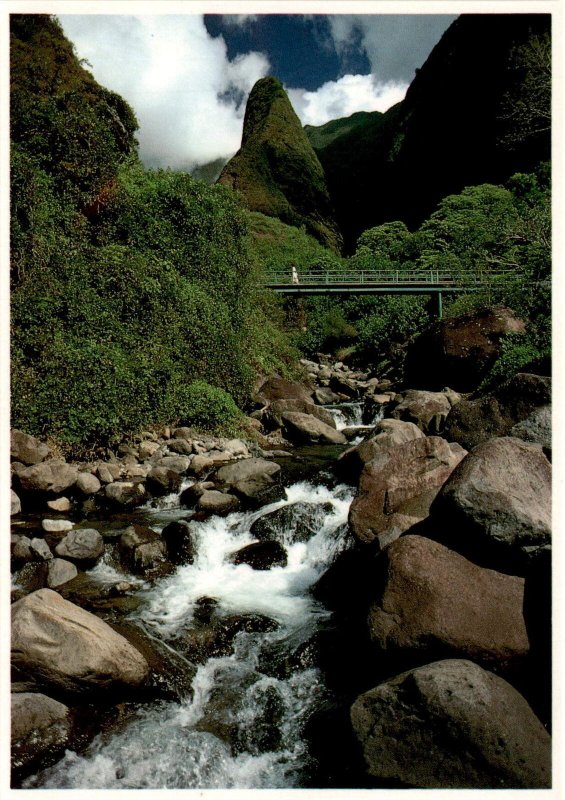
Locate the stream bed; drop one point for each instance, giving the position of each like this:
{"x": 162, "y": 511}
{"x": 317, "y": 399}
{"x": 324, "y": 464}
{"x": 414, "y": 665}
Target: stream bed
{"x": 242, "y": 723}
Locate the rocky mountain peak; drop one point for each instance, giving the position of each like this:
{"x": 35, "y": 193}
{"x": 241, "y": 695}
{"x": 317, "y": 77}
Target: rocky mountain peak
{"x": 276, "y": 169}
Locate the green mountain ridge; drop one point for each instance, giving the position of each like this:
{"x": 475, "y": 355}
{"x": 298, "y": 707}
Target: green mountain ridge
{"x": 466, "y": 119}
{"x": 276, "y": 170}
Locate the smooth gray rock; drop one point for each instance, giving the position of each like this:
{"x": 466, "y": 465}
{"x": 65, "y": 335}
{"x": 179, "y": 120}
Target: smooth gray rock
{"x": 56, "y": 525}
{"x": 15, "y": 503}
{"x": 69, "y": 648}
{"x": 41, "y": 727}
{"x": 496, "y": 506}
{"x": 452, "y": 725}
{"x": 127, "y": 494}
{"x": 248, "y": 469}
{"x": 214, "y": 502}
{"x": 300, "y": 427}
{"x": 53, "y": 477}
{"x": 88, "y": 484}
{"x": 60, "y": 571}
{"x": 40, "y": 549}
{"x": 83, "y": 545}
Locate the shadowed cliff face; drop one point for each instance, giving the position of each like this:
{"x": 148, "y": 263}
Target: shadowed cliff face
{"x": 461, "y": 123}
{"x": 276, "y": 170}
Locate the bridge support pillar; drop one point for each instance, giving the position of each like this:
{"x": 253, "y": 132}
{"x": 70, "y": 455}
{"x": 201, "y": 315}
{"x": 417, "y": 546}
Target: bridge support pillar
{"x": 439, "y": 307}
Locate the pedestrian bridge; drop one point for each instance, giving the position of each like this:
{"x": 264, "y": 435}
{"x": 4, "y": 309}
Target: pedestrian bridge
{"x": 432, "y": 282}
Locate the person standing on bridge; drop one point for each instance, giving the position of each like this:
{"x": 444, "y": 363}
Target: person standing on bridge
{"x": 295, "y": 275}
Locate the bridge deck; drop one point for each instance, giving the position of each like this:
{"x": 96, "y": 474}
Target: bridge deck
{"x": 377, "y": 282}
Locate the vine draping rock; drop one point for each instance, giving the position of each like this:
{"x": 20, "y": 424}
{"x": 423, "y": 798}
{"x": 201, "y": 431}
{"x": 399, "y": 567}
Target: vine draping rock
{"x": 66, "y": 647}
{"x": 452, "y": 724}
{"x": 459, "y": 351}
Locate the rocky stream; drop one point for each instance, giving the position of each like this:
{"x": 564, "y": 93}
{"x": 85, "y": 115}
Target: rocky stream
{"x": 354, "y": 597}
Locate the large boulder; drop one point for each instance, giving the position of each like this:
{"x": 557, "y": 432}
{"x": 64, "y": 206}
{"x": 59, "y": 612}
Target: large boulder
{"x": 427, "y": 410}
{"x": 496, "y": 506}
{"x": 434, "y": 603}
{"x": 458, "y": 352}
{"x": 300, "y": 427}
{"x": 253, "y": 480}
{"x": 51, "y": 477}
{"x": 27, "y": 449}
{"x": 397, "y": 487}
{"x": 125, "y": 494}
{"x": 261, "y": 555}
{"x": 452, "y": 725}
{"x": 68, "y": 648}
{"x": 273, "y": 417}
{"x": 275, "y": 388}
{"x": 41, "y": 728}
{"x": 141, "y": 549}
{"x": 474, "y": 421}
{"x": 214, "y": 502}
{"x": 84, "y": 546}
{"x": 386, "y": 435}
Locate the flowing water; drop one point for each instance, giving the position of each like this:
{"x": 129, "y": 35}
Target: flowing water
{"x": 242, "y": 725}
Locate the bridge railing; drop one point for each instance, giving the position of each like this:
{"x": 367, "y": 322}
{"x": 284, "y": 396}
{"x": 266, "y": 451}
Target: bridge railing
{"x": 378, "y": 277}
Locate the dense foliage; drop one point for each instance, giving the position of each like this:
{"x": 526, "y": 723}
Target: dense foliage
{"x": 130, "y": 287}
{"x": 501, "y": 234}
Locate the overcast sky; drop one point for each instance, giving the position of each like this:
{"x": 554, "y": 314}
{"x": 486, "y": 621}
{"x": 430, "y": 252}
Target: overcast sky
{"x": 188, "y": 77}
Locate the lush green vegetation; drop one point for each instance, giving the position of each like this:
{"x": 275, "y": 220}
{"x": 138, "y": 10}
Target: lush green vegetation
{"x": 135, "y": 295}
{"x": 500, "y": 233}
{"x": 130, "y": 287}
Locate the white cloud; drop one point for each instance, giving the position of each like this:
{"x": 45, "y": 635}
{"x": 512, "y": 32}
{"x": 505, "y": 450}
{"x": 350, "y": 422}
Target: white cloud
{"x": 345, "y": 96}
{"x": 394, "y": 44}
{"x": 177, "y": 78}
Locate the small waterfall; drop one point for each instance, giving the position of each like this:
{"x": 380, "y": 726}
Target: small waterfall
{"x": 347, "y": 415}
{"x": 243, "y": 725}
